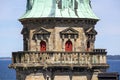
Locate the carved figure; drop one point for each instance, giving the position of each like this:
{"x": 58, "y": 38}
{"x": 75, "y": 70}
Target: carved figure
{"x": 29, "y": 4}
{"x": 63, "y": 4}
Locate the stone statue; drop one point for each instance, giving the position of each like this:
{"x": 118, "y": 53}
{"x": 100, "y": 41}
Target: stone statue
{"x": 65, "y": 4}
{"x": 29, "y": 4}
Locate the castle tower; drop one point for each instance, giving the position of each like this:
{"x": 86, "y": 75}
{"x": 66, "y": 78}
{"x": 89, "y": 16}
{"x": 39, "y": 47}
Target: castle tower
{"x": 58, "y": 40}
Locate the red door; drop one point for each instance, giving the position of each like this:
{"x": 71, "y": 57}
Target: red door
{"x": 42, "y": 46}
{"x": 68, "y": 46}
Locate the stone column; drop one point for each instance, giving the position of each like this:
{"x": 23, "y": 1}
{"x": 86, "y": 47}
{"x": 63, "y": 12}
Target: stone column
{"x": 104, "y": 58}
{"x": 74, "y": 44}
{"x": 101, "y": 59}
{"x": 72, "y": 40}
{"x": 38, "y": 45}
{"x": 85, "y": 58}
{"x": 63, "y": 42}
{"x": 36, "y": 42}
{"x": 28, "y": 45}
{"x": 47, "y": 44}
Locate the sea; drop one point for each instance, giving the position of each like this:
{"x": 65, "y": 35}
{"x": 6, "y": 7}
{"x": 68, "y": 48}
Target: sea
{"x": 9, "y": 74}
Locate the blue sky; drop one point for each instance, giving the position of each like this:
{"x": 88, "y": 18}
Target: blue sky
{"x": 108, "y": 27}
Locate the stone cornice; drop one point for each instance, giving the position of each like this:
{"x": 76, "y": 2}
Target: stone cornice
{"x": 58, "y": 20}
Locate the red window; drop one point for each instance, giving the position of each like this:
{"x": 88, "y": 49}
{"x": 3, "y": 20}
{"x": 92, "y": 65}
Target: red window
{"x": 42, "y": 46}
{"x": 68, "y": 46}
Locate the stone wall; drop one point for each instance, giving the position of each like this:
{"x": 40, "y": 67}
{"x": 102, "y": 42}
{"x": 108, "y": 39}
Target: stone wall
{"x": 55, "y": 33}
{"x": 54, "y": 41}
{"x": 31, "y": 74}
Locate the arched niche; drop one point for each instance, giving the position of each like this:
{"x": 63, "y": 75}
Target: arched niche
{"x": 68, "y": 46}
{"x": 43, "y": 46}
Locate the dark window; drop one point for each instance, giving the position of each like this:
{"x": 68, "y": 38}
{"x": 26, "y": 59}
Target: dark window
{"x": 88, "y": 45}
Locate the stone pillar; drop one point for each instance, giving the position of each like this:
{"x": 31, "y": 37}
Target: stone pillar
{"x": 63, "y": 43}
{"x": 47, "y": 44}
{"x": 28, "y": 45}
{"x": 38, "y": 45}
{"x": 36, "y": 42}
{"x": 101, "y": 59}
{"x": 104, "y": 58}
{"x": 72, "y": 40}
{"x": 74, "y": 44}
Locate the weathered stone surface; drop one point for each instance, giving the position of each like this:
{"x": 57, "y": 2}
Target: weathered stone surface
{"x": 30, "y": 74}
{"x": 33, "y": 64}
{"x": 59, "y": 48}
{"x": 55, "y": 42}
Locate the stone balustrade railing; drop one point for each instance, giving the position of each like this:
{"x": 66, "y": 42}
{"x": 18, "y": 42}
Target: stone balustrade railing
{"x": 60, "y": 58}
{"x": 99, "y": 50}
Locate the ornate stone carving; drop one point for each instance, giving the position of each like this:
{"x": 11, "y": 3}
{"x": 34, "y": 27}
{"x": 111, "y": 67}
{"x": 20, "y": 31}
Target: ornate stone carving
{"x": 90, "y": 35}
{"x": 91, "y": 31}
{"x": 69, "y": 33}
{"x": 41, "y": 34}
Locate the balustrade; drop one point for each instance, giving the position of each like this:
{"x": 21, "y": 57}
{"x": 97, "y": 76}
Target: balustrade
{"x": 60, "y": 58}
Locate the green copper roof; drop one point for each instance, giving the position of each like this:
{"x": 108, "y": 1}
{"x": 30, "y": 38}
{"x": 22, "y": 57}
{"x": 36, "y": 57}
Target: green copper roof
{"x": 59, "y": 9}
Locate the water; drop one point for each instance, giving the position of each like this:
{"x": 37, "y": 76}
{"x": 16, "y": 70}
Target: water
{"x": 5, "y": 72}
{"x": 114, "y": 66}
{"x": 9, "y": 74}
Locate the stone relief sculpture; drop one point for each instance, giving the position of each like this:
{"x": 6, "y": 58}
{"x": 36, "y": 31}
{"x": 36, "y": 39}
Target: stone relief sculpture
{"x": 64, "y": 4}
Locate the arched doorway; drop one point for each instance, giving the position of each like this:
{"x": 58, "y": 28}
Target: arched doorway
{"x": 42, "y": 46}
{"x": 68, "y": 46}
